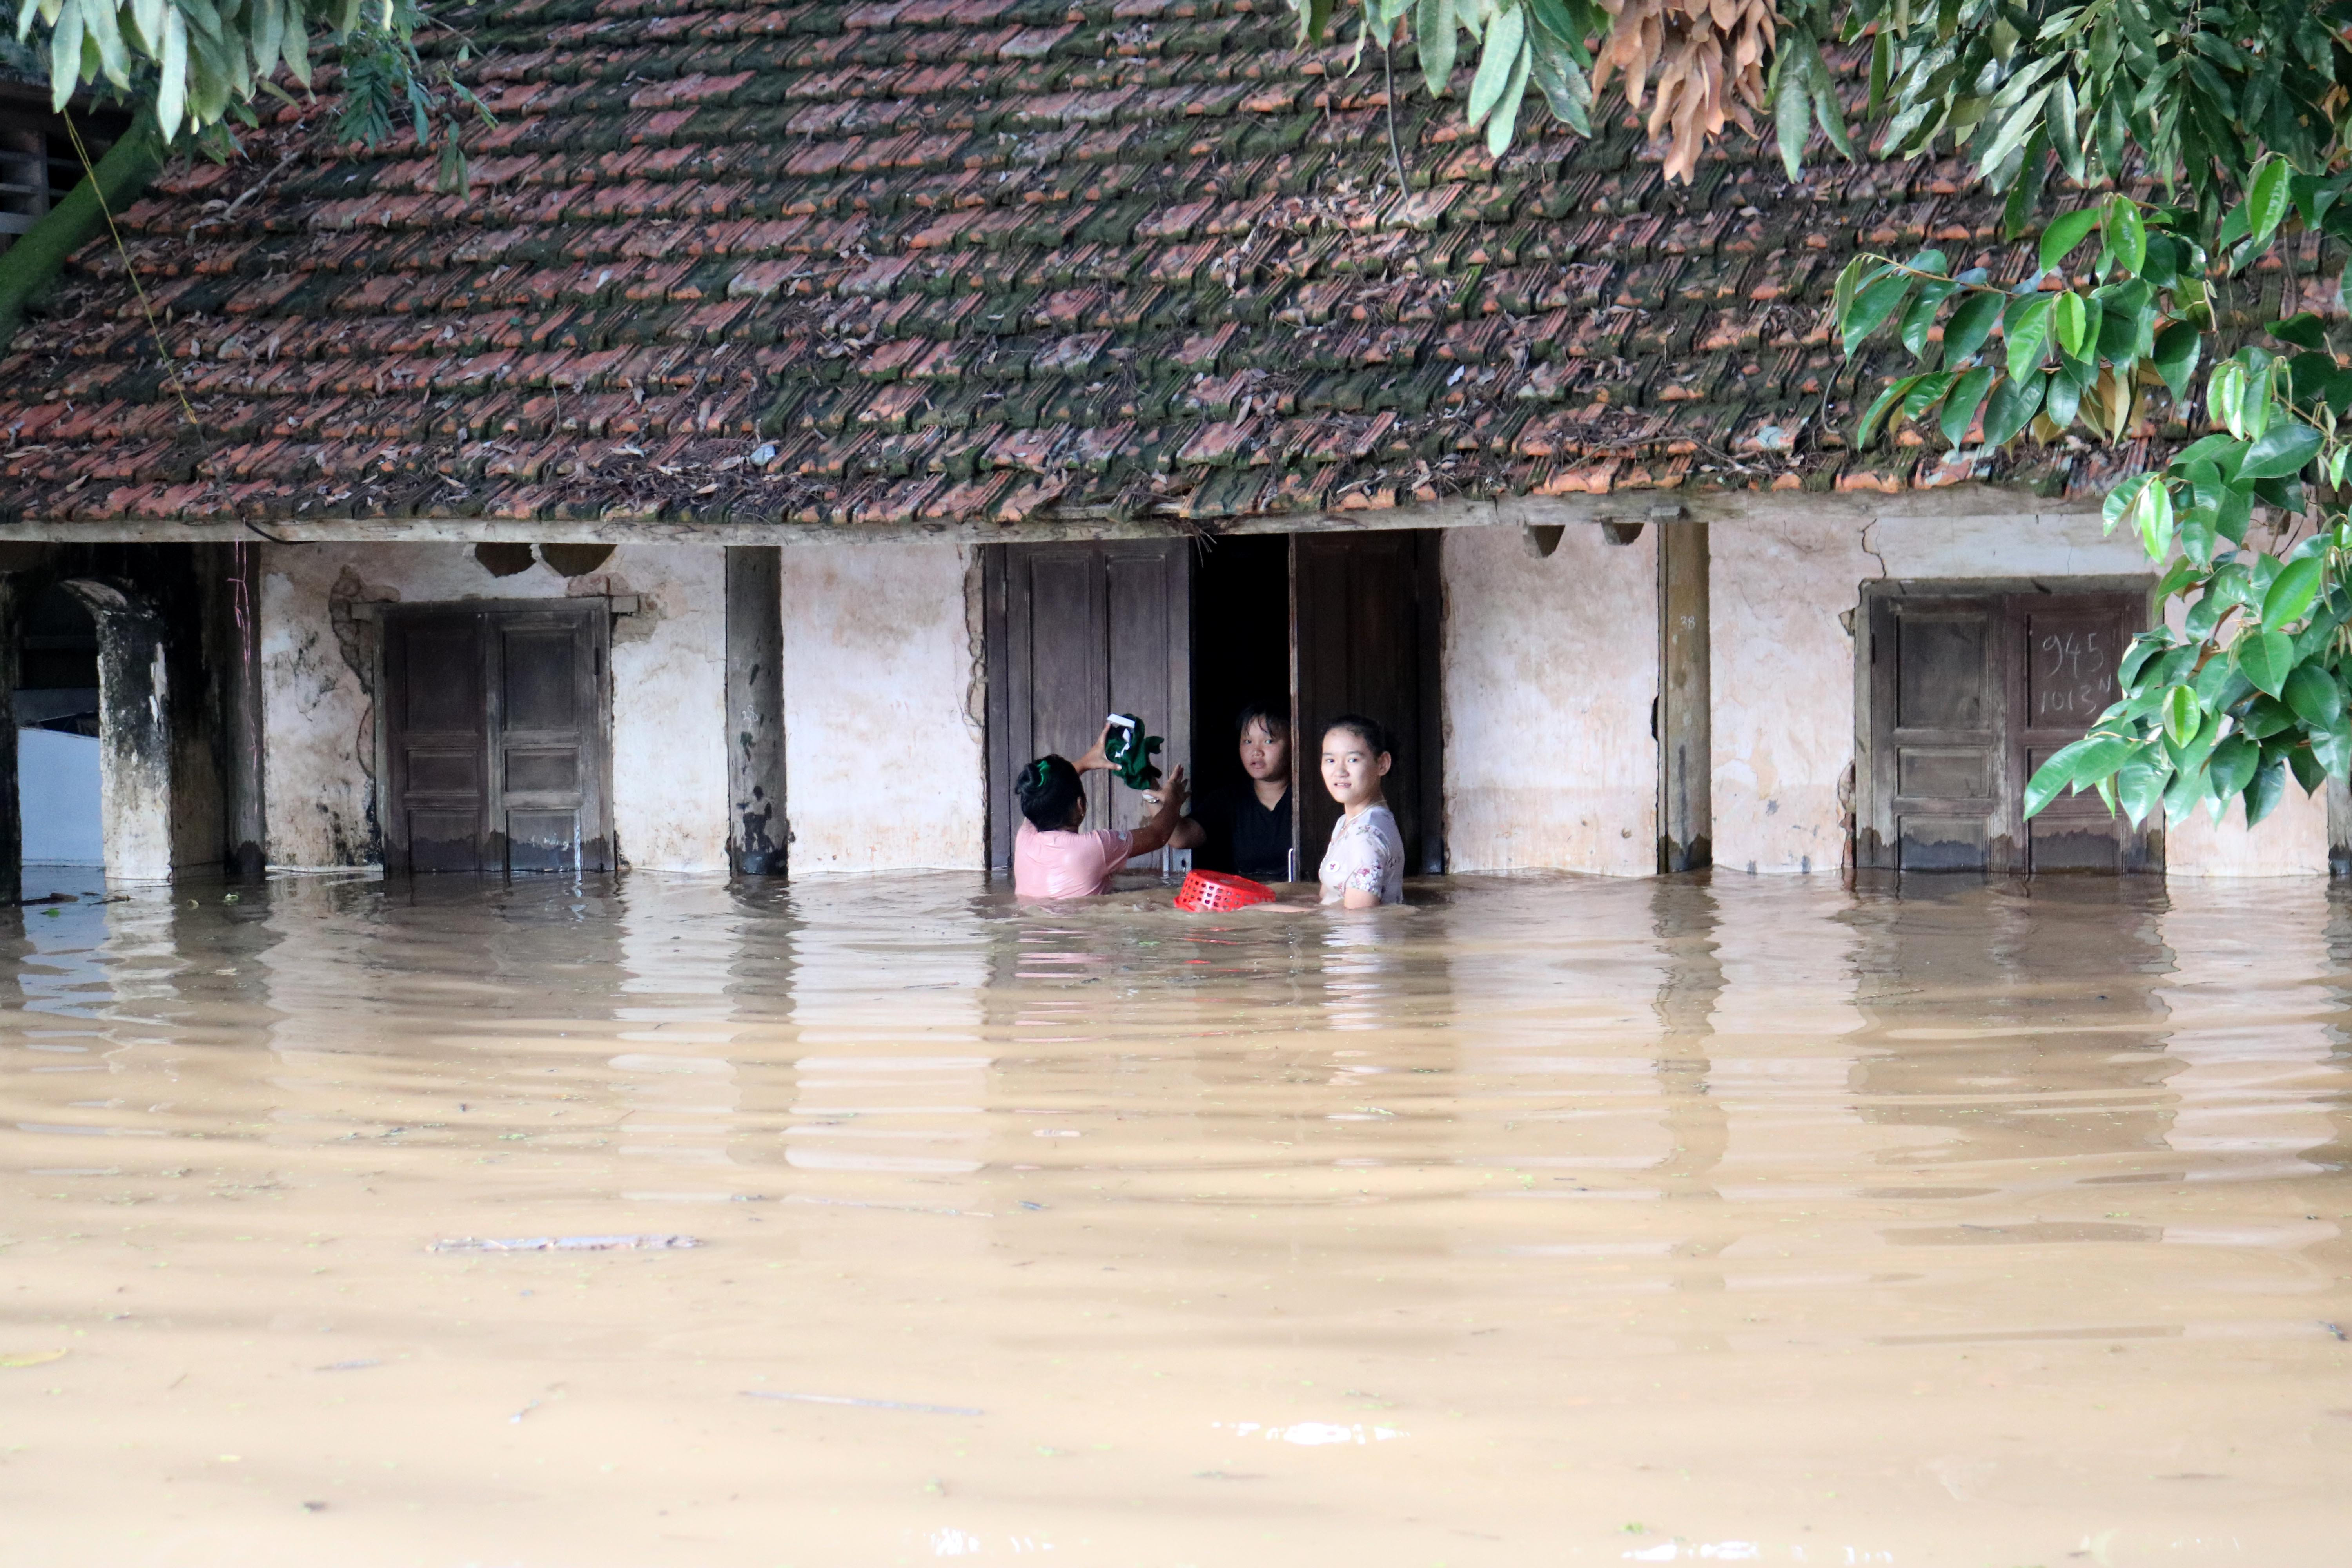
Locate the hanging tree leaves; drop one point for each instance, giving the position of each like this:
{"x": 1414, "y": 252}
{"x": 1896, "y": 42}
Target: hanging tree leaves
{"x": 2198, "y": 138}
{"x": 199, "y": 65}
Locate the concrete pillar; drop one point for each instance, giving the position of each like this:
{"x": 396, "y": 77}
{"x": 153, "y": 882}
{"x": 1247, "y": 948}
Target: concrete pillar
{"x": 1686, "y": 749}
{"x": 248, "y": 837}
{"x": 757, "y": 833}
{"x": 134, "y": 703}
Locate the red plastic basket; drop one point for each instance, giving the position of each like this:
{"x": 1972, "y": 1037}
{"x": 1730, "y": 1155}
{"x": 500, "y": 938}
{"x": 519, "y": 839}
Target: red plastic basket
{"x": 1213, "y": 892}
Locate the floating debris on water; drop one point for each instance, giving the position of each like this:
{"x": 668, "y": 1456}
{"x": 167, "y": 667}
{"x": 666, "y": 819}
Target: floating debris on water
{"x": 862, "y": 1404}
{"x": 563, "y": 1244}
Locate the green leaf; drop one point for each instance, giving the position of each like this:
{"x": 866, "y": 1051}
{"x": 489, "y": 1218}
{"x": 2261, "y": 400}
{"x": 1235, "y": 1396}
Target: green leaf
{"x": 64, "y": 59}
{"x": 1564, "y": 85}
{"x": 1505, "y": 119}
{"x": 1436, "y": 38}
{"x": 2052, "y": 779}
{"x": 2290, "y": 593}
{"x": 1792, "y": 111}
{"x": 1972, "y": 324}
{"x": 171, "y": 74}
{"x": 2013, "y": 403}
{"x": 2181, "y": 715}
{"x": 2264, "y": 659}
{"x": 2316, "y": 697}
{"x": 2151, "y": 514}
{"x": 2304, "y": 330}
{"x": 2121, "y": 499}
{"x": 1896, "y": 391}
{"x": 1498, "y": 62}
{"x": 1921, "y": 315}
{"x": 1960, "y": 406}
{"x": 2233, "y": 767}
{"x": 2064, "y": 234}
{"x": 1874, "y": 302}
{"x": 2279, "y": 451}
{"x": 2072, "y": 318}
{"x": 2139, "y": 783}
{"x": 1841, "y": 297}
{"x": 2026, "y": 324}
{"x": 2063, "y": 398}
{"x": 2331, "y": 749}
{"x": 2268, "y": 202}
{"x": 2267, "y": 789}
{"x": 2176, "y": 356}
{"x": 2127, "y": 235}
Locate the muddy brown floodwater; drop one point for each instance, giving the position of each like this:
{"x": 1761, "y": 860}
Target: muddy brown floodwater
{"x": 1551, "y": 1220}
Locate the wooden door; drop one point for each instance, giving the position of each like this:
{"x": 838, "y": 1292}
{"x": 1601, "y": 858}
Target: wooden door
{"x": 497, "y": 738}
{"x": 2066, "y": 647}
{"x": 1969, "y": 694}
{"x": 437, "y": 806}
{"x": 1366, "y": 621}
{"x": 1074, "y": 632}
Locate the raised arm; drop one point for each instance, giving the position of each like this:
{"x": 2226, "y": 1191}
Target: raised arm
{"x": 1166, "y": 820}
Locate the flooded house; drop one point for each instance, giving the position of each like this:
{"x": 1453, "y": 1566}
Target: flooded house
{"x": 812, "y": 411}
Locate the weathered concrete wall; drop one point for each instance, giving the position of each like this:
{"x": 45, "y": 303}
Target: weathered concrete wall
{"x": 669, "y": 762}
{"x": 1783, "y": 676}
{"x": 885, "y": 718}
{"x": 1549, "y": 668}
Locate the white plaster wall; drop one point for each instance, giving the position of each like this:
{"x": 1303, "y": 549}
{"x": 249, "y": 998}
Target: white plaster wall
{"x": 1783, "y": 677}
{"x": 1549, "y": 669}
{"x": 885, "y": 749}
{"x": 669, "y": 757}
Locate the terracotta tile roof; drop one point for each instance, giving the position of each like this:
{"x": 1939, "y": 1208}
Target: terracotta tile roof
{"x": 956, "y": 260}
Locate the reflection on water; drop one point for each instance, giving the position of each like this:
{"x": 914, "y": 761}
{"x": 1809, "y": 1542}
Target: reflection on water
{"x": 1548, "y": 1220}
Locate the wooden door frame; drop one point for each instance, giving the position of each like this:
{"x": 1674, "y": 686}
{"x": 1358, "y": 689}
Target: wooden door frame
{"x": 377, "y": 614}
{"x": 1004, "y": 625}
{"x": 1428, "y": 857}
{"x": 1874, "y": 791}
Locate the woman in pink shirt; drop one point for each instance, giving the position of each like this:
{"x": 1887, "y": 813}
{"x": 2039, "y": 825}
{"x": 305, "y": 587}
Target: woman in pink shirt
{"x": 1051, "y": 857}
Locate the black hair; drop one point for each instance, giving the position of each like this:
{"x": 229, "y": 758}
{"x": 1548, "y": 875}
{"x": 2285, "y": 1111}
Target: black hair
{"x": 1276, "y": 719}
{"x": 1048, "y": 790}
{"x": 1368, "y": 730}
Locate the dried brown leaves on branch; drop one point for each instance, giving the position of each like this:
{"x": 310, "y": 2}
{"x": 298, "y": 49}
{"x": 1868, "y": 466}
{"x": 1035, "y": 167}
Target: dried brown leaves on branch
{"x": 1709, "y": 57}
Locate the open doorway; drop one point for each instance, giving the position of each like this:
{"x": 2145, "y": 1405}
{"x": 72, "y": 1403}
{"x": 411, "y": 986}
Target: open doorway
{"x": 1187, "y": 635}
{"x": 58, "y": 792}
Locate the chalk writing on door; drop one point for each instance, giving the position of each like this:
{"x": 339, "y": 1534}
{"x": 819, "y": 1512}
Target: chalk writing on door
{"x": 2074, "y": 676}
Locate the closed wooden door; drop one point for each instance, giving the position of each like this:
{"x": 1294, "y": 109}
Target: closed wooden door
{"x": 1076, "y": 632}
{"x": 1366, "y": 621}
{"x": 1969, "y": 694}
{"x": 498, "y": 738}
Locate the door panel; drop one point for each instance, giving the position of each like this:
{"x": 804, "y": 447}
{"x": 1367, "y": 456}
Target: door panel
{"x": 548, "y": 726}
{"x": 1074, "y": 632}
{"x": 1971, "y": 692}
{"x": 1367, "y": 627}
{"x": 2067, "y": 650}
{"x": 440, "y": 766}
{"x": 499, "y": 738}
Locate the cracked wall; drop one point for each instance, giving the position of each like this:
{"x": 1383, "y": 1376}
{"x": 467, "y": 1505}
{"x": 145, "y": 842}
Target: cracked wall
{"x": 1783, "y": 667}
{"x": 669, "y": 762}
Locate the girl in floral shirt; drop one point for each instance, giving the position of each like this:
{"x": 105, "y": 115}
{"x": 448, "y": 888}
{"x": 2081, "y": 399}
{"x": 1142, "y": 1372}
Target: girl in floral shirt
{"x": 1364, "y": 866}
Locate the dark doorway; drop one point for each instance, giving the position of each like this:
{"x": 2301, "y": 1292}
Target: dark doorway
{"x": 497, "y": 737}
{"x": 1076, "y": 632}
{"x": 1329, "y": 623}
{"x": 1970, "y": 692}
{"x": 1241, "y": 652}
